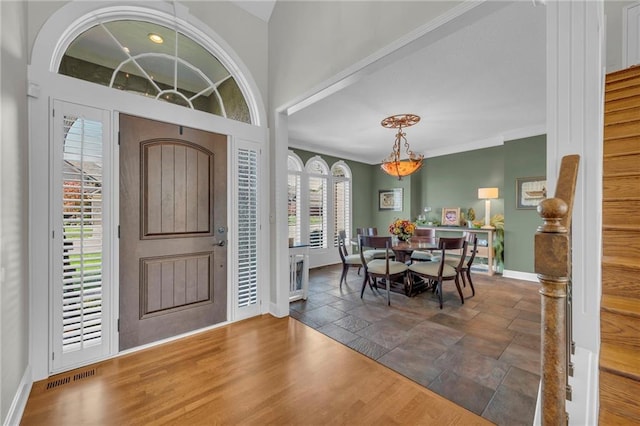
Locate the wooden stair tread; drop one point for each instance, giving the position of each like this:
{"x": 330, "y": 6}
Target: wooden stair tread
{"x": 621, "y": 227}
{"x": 620, "y": 360}
{"x": 622, "y": 154}
{"x": 626, "y": 262}
{"x": 621, "y": 305}
{"x": 610, "y": 417}
{"x": 631, "y": 72}
{"x": 619, "y": 394}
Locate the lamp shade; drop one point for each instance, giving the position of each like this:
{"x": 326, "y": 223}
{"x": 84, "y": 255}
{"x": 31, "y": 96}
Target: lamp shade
{"x": 487, "y": 193}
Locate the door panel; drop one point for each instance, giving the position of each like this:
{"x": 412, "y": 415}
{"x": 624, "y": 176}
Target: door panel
{"x": 173, "y": 205}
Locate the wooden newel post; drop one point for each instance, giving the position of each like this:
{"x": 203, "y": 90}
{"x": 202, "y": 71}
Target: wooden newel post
{"x": 553, "y": 266}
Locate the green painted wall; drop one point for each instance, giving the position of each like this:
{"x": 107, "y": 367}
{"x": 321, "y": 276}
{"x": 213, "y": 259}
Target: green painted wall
{"x": 361, "y": 184}
{"x": 453, "y": 181}
{"x": 523, "y": 158}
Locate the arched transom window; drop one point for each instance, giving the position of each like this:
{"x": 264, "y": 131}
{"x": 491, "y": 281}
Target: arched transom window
{"x": 155, "y": 61}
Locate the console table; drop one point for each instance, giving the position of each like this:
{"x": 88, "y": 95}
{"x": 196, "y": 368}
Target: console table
{"x": 484, "y": 252}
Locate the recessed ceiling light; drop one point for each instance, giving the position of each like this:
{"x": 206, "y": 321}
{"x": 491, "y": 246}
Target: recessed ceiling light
{"x": 126, "y": 49}
{"x": 155, "y": 38}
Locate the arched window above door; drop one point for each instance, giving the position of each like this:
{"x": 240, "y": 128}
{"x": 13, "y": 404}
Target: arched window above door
{"x": 156, "y": 61}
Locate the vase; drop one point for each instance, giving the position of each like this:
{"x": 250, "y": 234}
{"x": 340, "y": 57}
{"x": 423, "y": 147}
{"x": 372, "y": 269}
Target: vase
{"x": 404, "y": 238}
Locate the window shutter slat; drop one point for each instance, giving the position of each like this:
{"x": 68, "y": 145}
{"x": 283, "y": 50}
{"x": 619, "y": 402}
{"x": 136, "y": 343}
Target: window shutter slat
{"x": 248, "y": 227}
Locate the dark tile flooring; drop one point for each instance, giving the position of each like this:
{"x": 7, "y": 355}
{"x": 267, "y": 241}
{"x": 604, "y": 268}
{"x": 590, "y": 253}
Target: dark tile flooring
{"x": 483, "y": 355}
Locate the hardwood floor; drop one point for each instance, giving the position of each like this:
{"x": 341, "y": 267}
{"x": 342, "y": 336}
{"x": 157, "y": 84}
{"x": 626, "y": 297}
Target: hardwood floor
{"x": 259, "y": 371}
{"x": 484, "y": 355}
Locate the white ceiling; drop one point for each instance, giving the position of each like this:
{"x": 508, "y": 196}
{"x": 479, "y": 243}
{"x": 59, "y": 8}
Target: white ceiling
{"x": 260, "y": 8}
{"x": 475, "y": 86}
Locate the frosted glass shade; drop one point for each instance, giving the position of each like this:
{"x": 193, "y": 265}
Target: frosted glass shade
{"x": 401, "y": 168}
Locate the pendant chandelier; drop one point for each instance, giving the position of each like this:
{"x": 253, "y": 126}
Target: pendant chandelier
{"x": 393, "y": 165}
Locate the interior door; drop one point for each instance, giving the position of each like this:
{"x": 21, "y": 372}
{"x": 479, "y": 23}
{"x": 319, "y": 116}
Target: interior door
{"x": 173, "y": 227}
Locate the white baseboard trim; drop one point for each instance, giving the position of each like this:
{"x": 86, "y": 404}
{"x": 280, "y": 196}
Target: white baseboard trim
{"x": 273, "y": 310}
{"x": 14, "y": 415}
{"x": 583, "y": 408}
{"x": 517, "y": 275}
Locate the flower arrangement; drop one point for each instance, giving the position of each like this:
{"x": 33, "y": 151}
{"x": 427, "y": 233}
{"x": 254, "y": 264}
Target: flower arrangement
{"x": 402, "y": 228}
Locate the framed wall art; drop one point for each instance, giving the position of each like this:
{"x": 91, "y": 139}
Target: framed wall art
{"x": 530, "y": 191}
{"x": 450, "y": 216}
{"x": 390, "y": 199}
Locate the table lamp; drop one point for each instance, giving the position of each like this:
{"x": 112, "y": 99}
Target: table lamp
{"x": 487, "y": 194}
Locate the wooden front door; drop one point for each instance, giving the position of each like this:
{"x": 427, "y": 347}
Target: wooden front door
{"x": 173, "y": 230}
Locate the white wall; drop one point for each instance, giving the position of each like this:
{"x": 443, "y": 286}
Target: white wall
{"x": 14, "y": 309}
{"x": 613, "y": 12}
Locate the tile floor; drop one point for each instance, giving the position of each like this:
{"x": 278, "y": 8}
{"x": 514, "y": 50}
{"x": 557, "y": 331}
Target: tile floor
{"x": 483, "y": 355}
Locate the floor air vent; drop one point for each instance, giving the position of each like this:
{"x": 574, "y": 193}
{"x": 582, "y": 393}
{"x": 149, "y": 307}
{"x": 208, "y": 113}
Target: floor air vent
{"x": 58, "y": 382}
{"x": 84, "y": 374}
{"x": 66, "y": 380}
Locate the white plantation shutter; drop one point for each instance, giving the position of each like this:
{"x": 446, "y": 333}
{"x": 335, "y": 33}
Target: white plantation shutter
{"x": 248, "y": 226}
{"x": 293, "y": 207}
{"x": 342, "y": 213}
{"x": 341, "y": 174}
{"x": 318, "y": 172}
{"x": 317, "y": 212}
{"x": 79, "y": 275}
{"x": 294, "y": 197}
{"x": 82, "y": 233}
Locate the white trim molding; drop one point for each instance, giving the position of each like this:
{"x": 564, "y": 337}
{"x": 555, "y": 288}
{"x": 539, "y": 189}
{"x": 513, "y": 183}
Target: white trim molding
{"x": 517, "y": 275}
{"x": 575, "y": 99}
{"x": 16, "y": 410}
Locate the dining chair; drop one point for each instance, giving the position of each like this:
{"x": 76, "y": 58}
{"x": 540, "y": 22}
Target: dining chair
{"x": 438, "y": 272}
{"x": 348, "y": 260}
{"x": 374, "y": 253}
{"x": 464, "y": 269}
{"x": 427, "y": 235}
{"x": 380, "y": 268}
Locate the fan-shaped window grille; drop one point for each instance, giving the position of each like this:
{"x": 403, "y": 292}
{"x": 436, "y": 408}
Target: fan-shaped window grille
{"x": 121, "y": 54}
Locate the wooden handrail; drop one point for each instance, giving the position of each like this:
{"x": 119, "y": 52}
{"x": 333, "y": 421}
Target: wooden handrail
{"x": 553, "y": 267}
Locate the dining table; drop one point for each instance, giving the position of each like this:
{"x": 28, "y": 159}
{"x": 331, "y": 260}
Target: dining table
{"x": 404, "y": 249}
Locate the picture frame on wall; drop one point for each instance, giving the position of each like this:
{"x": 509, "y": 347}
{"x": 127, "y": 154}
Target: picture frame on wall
{"x": 390, "y": 199}
{"x": 451, "y": 216}
{"x": 530, "y": 191}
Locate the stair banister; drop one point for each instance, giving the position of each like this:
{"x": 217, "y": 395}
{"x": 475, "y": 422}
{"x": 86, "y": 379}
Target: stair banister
{"x": 553, "y": 267}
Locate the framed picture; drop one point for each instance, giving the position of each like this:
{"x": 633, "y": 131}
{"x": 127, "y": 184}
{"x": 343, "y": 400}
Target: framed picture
{"x": 450, "y": 216}
{"x": 530, "y": 191}
{"x": 390, "y": 199}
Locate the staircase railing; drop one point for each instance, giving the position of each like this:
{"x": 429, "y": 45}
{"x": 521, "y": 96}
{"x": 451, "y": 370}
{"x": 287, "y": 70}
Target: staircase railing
{"x": 553, "y": 266}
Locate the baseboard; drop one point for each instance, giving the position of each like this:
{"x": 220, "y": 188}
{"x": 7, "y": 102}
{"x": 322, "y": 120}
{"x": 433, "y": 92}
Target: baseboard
{"x": 583, "y": 408}
{"x": 273, "y": 310}
{"x": 19, "y": 400}
{"x": 517, "y": 275}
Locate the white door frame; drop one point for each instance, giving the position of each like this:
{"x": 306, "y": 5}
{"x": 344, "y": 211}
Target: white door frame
{"x": 45, "y": 84}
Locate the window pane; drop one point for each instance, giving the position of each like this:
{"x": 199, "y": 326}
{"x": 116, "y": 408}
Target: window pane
{"x": 317, "y": 212}
{"x": 82, "y": 234}
{"x": 120, "y": 54}
{"x": 294, "y": 211}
